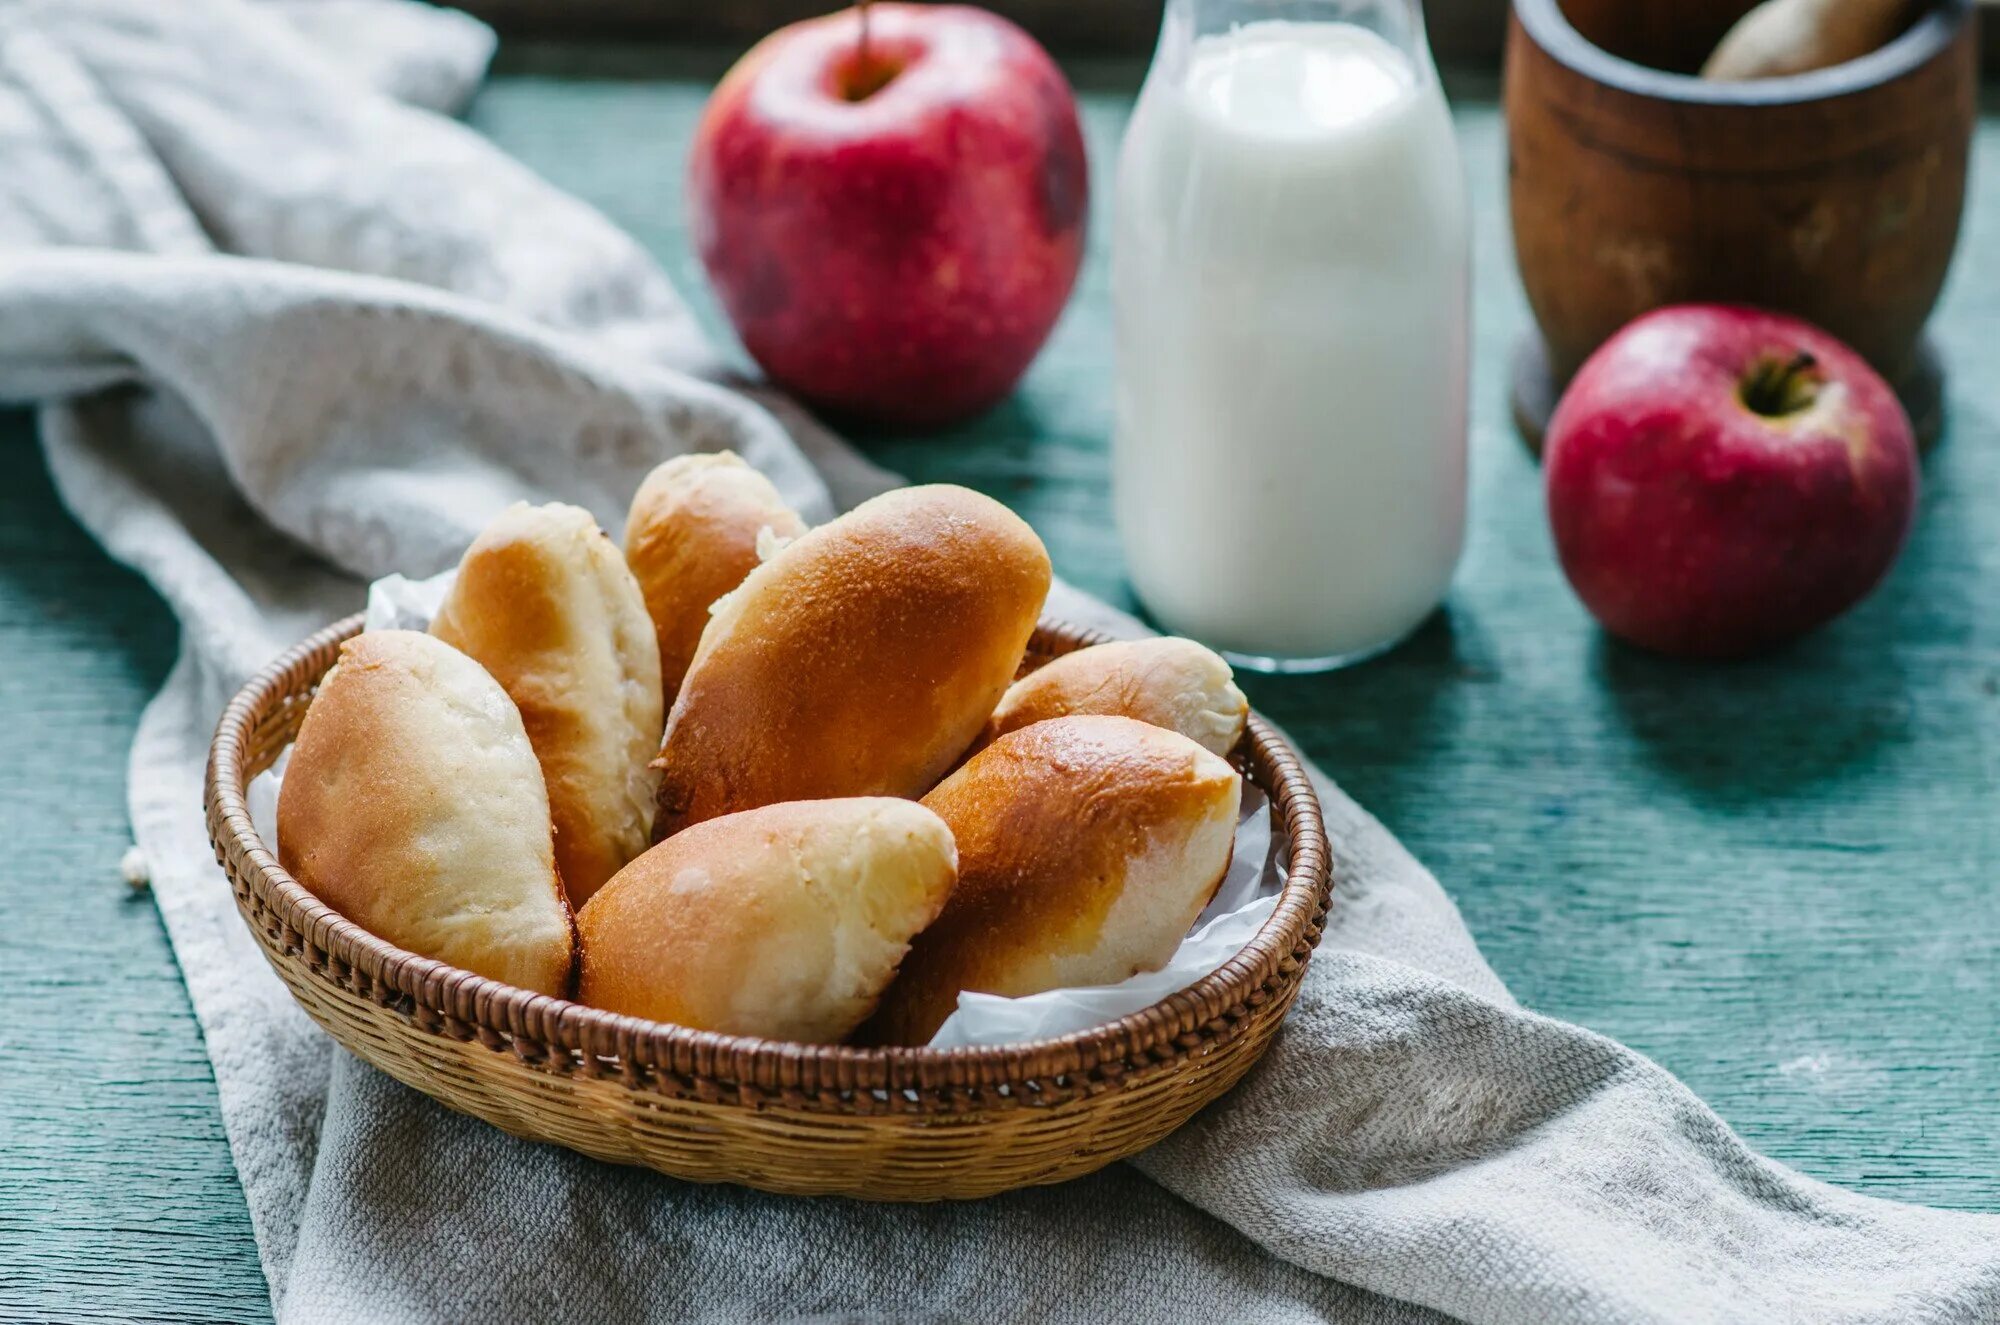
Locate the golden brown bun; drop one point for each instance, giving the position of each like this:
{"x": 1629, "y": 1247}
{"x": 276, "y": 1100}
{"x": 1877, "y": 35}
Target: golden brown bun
{"x": 691, "y": 537}
{"x": 413, "y": 806}
{"x": 544, "y": 602}
{"x": 1169, "y": 682}
{"x": 1086, "y": 848}
{"x": 785, "y": 922}
{"x": 861, "y": 660}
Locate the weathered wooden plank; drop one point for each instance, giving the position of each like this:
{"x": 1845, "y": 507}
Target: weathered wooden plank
{"x": 1469, "y": 33}
{"x": 117, "y": 1196}
{"x": 1781, "y": 879}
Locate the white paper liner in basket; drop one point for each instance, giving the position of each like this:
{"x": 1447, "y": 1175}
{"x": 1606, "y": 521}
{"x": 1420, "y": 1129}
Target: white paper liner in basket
{"x": 1246, "y": 899}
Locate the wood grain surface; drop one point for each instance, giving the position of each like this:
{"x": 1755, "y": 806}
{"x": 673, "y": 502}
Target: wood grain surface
{"x": 117, "y": 1196}
{"x": 1780, "y": 879}
{"x": 1464, "y": 32}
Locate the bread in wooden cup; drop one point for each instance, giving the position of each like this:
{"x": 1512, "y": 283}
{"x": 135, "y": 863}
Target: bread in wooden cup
{"x": 544, "y": 602}
{"x": 785, "y": 922}
{"x": 1086, "y": 848}
{"x": 414, "y": 806}
{"x": 1170, "y": 682}
{"x": 860, "y": 660}
{"x": 698, "y": 525}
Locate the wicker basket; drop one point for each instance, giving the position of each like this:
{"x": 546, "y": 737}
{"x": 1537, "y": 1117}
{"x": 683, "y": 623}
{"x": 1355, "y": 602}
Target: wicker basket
{"x": 883, "y": 1124}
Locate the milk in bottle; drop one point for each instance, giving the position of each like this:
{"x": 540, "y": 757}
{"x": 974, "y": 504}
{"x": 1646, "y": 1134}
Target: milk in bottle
{"x": 1290, "y": 282}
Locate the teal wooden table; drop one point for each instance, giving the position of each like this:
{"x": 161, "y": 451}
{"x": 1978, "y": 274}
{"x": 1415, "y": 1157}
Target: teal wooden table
{"x": 1780, "y": 879}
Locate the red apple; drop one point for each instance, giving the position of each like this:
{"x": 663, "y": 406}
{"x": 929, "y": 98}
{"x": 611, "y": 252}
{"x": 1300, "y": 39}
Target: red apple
{"x": 1721, "y": 480}
{"x": 893, "y": 229}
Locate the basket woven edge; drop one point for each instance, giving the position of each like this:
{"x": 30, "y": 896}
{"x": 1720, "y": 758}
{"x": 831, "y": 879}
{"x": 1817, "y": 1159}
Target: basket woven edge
{"x": 565, "y": 1037}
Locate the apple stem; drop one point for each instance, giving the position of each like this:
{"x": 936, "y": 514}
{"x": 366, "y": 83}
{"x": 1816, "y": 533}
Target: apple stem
{"x": 864, "y": 75}
{"x": 1778, "y": 387}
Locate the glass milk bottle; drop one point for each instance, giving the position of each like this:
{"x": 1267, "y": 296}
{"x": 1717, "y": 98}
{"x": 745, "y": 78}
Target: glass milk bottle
{"x": 1290, "y": 285}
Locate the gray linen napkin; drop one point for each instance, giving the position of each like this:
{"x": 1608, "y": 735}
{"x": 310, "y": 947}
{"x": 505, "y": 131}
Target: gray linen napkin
{"x": 291, "y": 330}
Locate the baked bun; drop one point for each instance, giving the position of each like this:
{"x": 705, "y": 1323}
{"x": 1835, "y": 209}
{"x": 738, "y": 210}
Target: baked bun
{"x": 860, "y": 660}
{"x": 785, "y": 922}
{"x": 544, "y": 602}
{"x": 413, "y": 806}
{"x": 692, "y": 535}
{"x": 1086, "y": 848}
{"x": 1169, "y": 682}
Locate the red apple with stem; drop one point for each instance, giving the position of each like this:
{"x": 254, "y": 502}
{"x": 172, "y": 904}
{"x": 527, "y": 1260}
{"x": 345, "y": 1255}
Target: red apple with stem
{"x": 890, "y": 204}
{"x": 1721, "y": 480}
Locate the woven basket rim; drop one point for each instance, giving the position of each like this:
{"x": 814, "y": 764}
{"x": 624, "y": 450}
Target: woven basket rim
{"x": 499, "y": 1013}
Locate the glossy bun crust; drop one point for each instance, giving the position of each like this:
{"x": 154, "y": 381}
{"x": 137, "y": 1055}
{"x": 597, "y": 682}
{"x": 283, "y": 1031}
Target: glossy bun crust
{"x": 692, "y": 536}
{"x": 861, "y": 660}
{"x": 1086, "y": 848}
{"x": 1170, "y": 682}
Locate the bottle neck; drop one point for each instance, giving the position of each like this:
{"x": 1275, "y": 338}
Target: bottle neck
{"x": 1398, "y": 22}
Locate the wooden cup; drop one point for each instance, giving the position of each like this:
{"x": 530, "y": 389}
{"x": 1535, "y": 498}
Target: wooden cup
{"x": 1833, "y": 195}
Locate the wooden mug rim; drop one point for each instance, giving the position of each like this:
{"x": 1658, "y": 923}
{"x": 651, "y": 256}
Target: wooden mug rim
{"x": 1930, "y": 35}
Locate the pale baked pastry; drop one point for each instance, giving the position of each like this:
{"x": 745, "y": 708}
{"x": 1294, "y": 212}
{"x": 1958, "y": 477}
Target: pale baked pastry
{"x": 785, "y": 921}
{"x": 544, "y": 602}
{"x": 413, "y": 805}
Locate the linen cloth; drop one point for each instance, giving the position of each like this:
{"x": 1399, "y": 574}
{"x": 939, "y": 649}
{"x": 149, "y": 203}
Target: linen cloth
{"x": 293, "y": 329}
